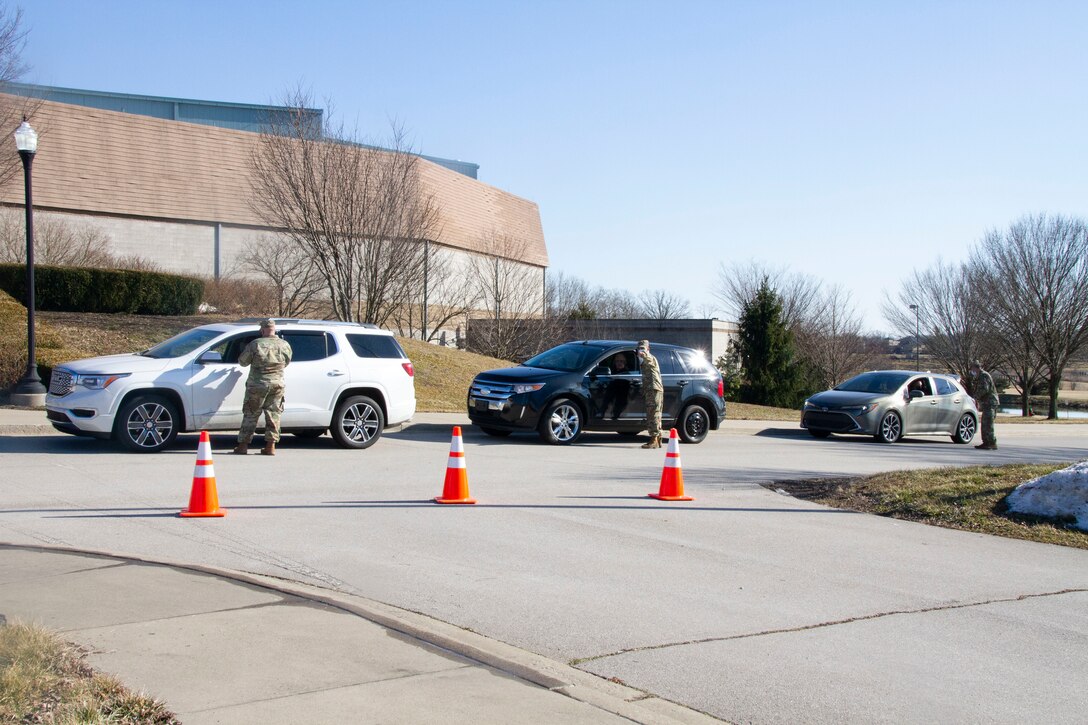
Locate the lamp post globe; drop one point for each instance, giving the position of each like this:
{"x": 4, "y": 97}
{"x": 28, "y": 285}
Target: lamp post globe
{"x": 29, "y": 391}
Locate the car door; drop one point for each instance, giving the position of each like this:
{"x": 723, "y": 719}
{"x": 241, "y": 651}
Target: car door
{"x": 673, "y": 379}
{"x": 921, "y": 412}
{"x": 615, "y": 395}
{"x": 312, "y": 380}
{"x": 949, "y": 405}
{"x": 217, "y": 384}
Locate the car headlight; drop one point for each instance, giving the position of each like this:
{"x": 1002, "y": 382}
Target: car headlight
{"x": 527, "y": 388}
{"x": 860, "y": 409}
{"x": 809, "y": 405}
{"x": 96, "y": 381}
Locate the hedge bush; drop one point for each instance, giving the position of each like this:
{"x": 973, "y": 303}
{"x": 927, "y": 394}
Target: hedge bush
{"x": 82, "y": 289}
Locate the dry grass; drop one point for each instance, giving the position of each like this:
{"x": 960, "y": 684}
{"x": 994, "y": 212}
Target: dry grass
{"x": 747, "y": 411}
{"x": 444, "y": 374}
{"x": 44, "y": 679}
{"x": 970, "y": 499}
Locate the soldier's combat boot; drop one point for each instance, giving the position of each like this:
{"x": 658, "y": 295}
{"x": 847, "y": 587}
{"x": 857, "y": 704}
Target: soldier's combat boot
{"x": 241, "y": 449}
{"x": 269, "y": 449}
{"x": 654, "y": 442}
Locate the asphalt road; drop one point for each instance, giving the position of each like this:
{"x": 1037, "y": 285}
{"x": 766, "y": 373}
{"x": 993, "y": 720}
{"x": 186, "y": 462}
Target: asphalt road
{"x": 746, "y": 604}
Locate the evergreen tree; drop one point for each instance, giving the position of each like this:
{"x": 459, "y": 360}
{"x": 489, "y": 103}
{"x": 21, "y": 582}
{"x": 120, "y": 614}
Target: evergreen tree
{"x": 772, "y": 375}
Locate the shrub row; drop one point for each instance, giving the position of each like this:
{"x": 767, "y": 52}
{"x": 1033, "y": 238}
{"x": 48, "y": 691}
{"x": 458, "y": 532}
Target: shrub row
{"x": 81, "y": 289}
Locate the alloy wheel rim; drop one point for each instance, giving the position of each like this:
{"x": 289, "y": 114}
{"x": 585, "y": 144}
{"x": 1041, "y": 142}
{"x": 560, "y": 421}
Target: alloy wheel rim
{"x": 149, "y": 425}
{"x": 890, "y": 427}
{"x": 360, "y": 422}
{"x": 967, "y": 428}
{"x": 696, "y": 424}
{"x": 564, "y": 423}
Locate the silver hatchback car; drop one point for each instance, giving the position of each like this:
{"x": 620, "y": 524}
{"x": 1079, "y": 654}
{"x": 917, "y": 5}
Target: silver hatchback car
{"x": 890, "y": 404}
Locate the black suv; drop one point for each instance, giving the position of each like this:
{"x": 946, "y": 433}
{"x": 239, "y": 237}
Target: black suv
{"x": 596, "y": 385}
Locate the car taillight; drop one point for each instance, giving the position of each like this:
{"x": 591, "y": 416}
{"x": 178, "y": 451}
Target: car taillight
{"x": 721, "y": 388}
{"x": 408, "y": 369}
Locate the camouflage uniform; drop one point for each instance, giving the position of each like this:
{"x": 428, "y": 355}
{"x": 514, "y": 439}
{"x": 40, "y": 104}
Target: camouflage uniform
{"x": 652, "y": 391}
{"x": 264, "y": 388}
{"x": 985, "y": 394}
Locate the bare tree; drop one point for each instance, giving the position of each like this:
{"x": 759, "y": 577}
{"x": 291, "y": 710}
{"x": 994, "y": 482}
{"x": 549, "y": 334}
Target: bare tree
{"x": 443, "y": 296}
{"x": 948, "y": 315}
{"x": 831, "y": 341}
{"x": 511, "y": 293}
{"x": 63, "y": 243}
{"x": 12, "y": 68}
{"x": 284, "y": 264}
{"x": 663, "y": 305}
{"x": 359, "y": 213}
{"x": 1040, "y": 268}
{"x": 738, "y": 284}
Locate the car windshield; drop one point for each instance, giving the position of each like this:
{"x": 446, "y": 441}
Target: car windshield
{"x": 874, "y": 382}
{"x": 568, "y": 358}
{"x": 182, "y": 344}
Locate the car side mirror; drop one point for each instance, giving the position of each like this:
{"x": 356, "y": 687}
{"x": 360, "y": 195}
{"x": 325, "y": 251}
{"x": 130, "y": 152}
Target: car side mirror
{"x": 600, "y": 370}
{"x": 211, "y": 356}
{"x": 917, "y": 394}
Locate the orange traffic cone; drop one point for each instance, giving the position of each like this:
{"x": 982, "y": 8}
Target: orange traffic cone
{"x": 672, "y": 476}
{"x": 203, "y": 501}
{"x": 456, "y": 487}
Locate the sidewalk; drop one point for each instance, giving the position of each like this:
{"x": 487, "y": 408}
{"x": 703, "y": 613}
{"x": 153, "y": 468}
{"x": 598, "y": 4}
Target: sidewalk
{"x": 220, "y": 646}
{"x": 24, "y": 422}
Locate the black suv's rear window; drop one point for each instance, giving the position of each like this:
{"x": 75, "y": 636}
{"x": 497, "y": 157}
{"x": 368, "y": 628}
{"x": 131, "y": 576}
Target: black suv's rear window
{"x": 375, "y": 346}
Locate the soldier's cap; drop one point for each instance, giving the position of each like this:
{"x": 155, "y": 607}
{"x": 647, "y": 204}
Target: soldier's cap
{"x": 976, "y": 365}
{"x": 643, "y": 344}
{"x": 268, "y": 323}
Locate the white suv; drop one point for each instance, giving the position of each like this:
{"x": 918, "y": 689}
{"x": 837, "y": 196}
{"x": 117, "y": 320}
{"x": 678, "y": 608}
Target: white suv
{"x": 351, "y": 379}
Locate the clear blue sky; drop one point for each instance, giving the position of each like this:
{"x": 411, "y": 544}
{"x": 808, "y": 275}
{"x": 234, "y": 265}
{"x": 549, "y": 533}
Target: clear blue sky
{"x": 851, "y": 140}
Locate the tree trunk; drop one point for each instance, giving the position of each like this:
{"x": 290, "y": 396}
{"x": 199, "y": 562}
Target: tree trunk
{"x": 1055, "y": 381}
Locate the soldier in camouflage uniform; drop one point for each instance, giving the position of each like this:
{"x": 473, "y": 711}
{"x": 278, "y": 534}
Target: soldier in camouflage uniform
{"x": 268, "y": 355}
{"x": 985, "y": 393}
{"x": 652, "y": 393}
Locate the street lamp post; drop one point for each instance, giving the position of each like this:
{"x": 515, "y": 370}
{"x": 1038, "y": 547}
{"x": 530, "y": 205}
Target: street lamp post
{"x": 916, "y": 333}
{"x": 29, "y": 391}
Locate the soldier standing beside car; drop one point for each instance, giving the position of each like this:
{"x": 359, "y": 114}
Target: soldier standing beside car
{"x": 652, "y": 393}
{"x": 985, "y": 394}
{"x": 267, "y": 356}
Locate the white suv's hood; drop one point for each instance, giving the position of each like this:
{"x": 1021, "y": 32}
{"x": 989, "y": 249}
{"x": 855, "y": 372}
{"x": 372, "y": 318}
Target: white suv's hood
{"x": 127, "y": 363}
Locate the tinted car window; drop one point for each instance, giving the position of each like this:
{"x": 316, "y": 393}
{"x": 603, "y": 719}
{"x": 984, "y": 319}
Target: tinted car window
{"x": 182, "y": 344}
{"x": 667, "y": 359}
{"x": 375, "y": 346}
{"x": 309, "y": 345}
{"x": 567, "y": 358}
{"x": 874, "y": 382}
{"x": 945, "y": 387}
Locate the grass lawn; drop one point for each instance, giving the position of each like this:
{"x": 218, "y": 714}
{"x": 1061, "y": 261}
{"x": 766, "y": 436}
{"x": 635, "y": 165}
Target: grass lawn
{"x": 44, "y": 679}
{"x": 971, "y": 499}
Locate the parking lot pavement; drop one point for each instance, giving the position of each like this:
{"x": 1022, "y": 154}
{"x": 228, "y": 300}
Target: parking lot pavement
{"x": 222, "y": 647}
{"x": 743, "y": 603}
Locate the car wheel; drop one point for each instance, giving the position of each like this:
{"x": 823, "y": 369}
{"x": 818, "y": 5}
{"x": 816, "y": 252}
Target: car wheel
{"x": 694, "y": 424}
{"x": 562, "y": 423}
{"x": 357, "y": 423}
{"x": 891, "y": 428}
{"x": 819, "y": 433}
{"x": 147, "y": 423}
{"x": 965, "y": 429}
{"x": 495, "y": 432}
{"x": 308, "y": 433}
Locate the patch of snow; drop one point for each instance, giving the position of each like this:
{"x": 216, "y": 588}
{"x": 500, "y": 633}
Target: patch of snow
{"x": 1061, "y": 493}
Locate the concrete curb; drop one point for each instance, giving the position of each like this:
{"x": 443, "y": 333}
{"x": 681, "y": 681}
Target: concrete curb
{"x": 621, "y": 700}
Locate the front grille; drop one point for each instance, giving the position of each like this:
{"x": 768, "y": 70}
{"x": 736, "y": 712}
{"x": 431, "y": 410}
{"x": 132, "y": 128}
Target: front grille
{"x": 490, "y": 391}
{"x": 835, "y": 422}
{"x": 61, "y": 383}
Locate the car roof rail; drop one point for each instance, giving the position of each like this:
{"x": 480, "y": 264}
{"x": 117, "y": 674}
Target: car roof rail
{"x": 299, "y": 321}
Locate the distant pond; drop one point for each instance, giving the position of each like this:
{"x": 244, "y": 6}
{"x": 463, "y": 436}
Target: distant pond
{"x": 1063, "y": 413}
